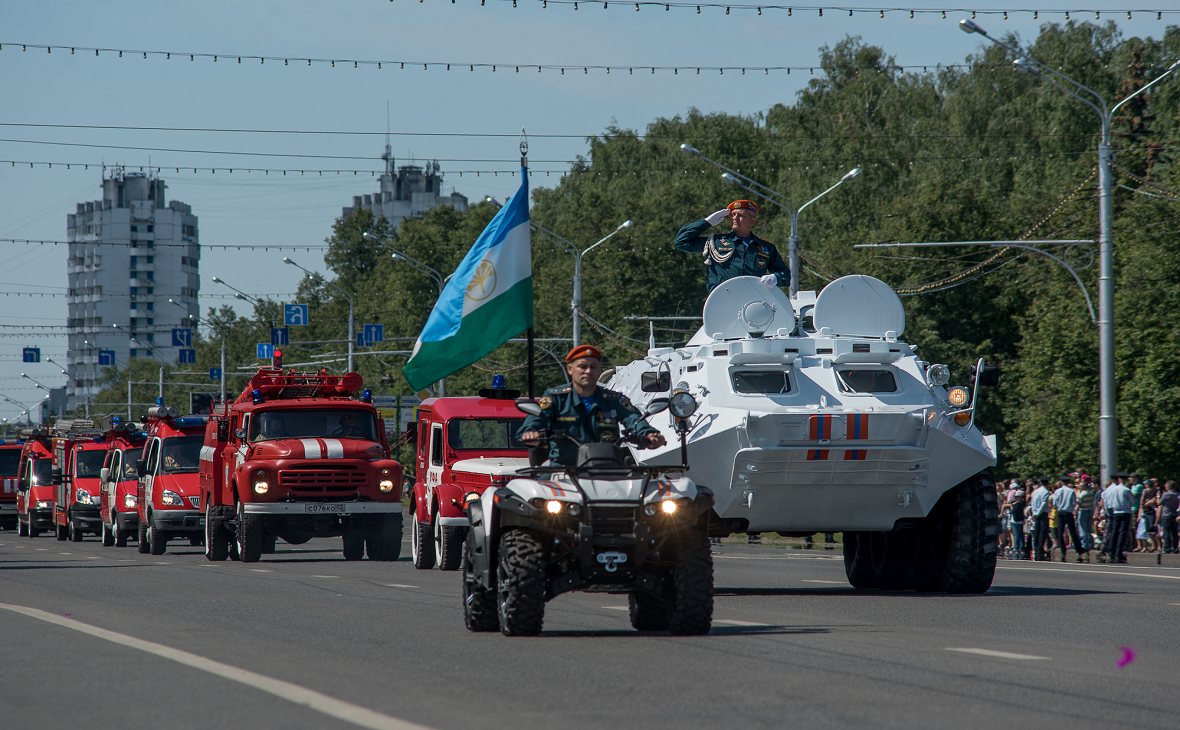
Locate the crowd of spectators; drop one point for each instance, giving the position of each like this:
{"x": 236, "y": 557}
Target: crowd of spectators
{"x": 1044, "y": 518}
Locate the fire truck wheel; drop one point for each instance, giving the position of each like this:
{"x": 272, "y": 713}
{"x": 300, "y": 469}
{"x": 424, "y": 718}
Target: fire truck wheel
{"x": 479, "y": 603}
{"x": 75, "y": 533}
{"x": 121, "y": 536}
{"x": 217, "y": 537}
{"x": 965, "y": 545}
{"x": 448, "y": 545}
{"x": 648, "y": 613}
{"x": 354, "y": 544}
{"x": 384, "y": 540}
{"x": 888, "y": 559}
{"x": 63, "y": 533}
{"x": 420, "y": 545}
{"x": 198, "y": 541}
{"x": 692, "y": 602}
{"x": 141, "y": 543}
{"x": 22, "y": 529}
{"x": 249, "y": 537}
{"x": 858, "y": 561}
{"x": 520, "y": 584}
{"x": 157, "y": 542}
{"x": 34, "y": 532}
{"x": 108, "y": 533}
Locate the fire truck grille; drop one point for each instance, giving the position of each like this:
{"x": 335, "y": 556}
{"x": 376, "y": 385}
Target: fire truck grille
{"x": 321, "y": 481}
{"x": 612, "y": 520}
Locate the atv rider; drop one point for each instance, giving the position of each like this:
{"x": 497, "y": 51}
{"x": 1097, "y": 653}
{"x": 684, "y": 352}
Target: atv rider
{"x": 585, "y": 411}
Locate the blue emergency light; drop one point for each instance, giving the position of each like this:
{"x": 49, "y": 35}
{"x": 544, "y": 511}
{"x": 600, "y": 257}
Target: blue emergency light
{"x": 499, "y": 381}
{"x": 189, "y": 421}
{"x": 367, "y": 396}
{"x": 257, "y": 396}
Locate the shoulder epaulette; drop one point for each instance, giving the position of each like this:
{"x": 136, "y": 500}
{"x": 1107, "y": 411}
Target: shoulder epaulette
{"x": 560, "y": 390}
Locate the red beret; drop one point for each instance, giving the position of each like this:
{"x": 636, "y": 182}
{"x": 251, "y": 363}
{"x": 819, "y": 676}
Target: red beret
{"x": 749, "y": 205}
{"x": 583, "y": 351}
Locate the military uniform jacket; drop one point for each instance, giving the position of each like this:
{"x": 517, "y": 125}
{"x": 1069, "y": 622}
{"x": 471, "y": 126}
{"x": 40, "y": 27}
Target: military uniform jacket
{"x": 562, "y": 411}
{"x": 726, "y": 257}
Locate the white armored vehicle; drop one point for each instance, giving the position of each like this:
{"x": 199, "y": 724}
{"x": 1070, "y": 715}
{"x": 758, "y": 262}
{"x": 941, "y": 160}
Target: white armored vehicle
{"x": 815, "y": 417}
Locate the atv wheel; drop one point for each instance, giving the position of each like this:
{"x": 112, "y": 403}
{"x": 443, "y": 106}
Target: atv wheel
{"x": 384, "y": 540}
{"x": 692, "y": 603}
{"x": 520, "y": 584}
{"x": 217, "y": 537}
{"x": 858, "y": 564}
{"x": 108, "y": 533}
{"x": 354, "y": 544}
{"x": 448, "y": 545}
{"x": 479, "y": 603}
{"x": 648, "y": 613}
{"x": 420, "y": 545}
{"x": 157, "y": 542}
{"x": 888, "y": 560}
{"x": 966, "y": 541}
{"x": 249, "y": 535}
{"x": 142, "y": 542}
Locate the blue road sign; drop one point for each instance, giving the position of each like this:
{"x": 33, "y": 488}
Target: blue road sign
{"x": 374, "y": 333}
{"x": 106, "y": 357}
{"x": 360, "y": 339}
{"x": 295, "y": 314}
{"x": 215, "y": 373}
{"x": 279, "y": 336}
{"x": 265, "y": 350}
{"x": 182, "y": 337}
{"x": 186, "y": 356}
{"x": 32, "y": 354}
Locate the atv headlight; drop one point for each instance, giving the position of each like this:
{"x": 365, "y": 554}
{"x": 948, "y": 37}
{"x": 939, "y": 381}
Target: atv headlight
{"x": 83, "y": 497}
{"x": 130, "y": 500}
{"x": 938, "y": 375}
{"x": 958, "y": 396}
{"x": 553, "y": 507}
{"x": 669, "y": 506}
{"x": 171, "y": 499}
{"x": 682, "y": 404}
{"x": 385, "y": 485}
{"x": 44, "y": 504}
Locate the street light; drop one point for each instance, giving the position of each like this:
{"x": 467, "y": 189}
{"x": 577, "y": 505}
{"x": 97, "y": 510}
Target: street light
{"x": 317, "y": 278}
{"x": 403, "y": 258}
{"x": 239, "y": 294}
{"x": 571, "y": 248}
{"x": 773, "y": 196}
{"x": 1107, "y": 389}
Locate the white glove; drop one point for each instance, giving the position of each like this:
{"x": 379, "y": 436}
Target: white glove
{"x": 717, "y": 217}
{"x": 768, "y": 280}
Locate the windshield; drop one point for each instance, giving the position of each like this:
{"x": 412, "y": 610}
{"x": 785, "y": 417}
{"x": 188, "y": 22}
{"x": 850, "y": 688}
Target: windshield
{"x": 129, "y": 457}
{"x": 867, "y": 381}
{"x": 351, "y": 423}
{"x": 88, "y": 463}
{"x": 484, "y": 433}
{"x": 181, "y": 454}
{"x": 42, "y": 471}
{"x": 9, "y": 462}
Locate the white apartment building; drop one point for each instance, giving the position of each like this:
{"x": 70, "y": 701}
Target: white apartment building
{"x": 129, "y": 253}
{"x": 409, "y": 194}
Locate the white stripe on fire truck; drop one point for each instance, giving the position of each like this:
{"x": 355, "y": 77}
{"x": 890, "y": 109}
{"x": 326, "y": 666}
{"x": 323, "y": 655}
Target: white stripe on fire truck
{"x": 333, "y": 449}
{"x": 311, "y": 448}
{"x": 207, "y": 453}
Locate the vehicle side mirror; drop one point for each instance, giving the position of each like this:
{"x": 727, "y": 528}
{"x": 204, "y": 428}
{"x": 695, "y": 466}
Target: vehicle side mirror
{"x": 657, "y": 382}
{"x": 55, "y": 474}
{"x": 104, "y": 474}
{"x": 240, "y": 433}
{"x": 529, "y": 406}
{"x": 657, "y": 405}
{"x": 989, "y": 375}
{"x": 140, "y": 466}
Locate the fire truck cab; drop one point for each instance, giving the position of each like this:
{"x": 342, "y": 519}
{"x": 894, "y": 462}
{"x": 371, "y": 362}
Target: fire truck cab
{"x": 168, "y": 491}
{"x": 79, "y": 450}
{"x": 9, "y": 479}
{"x": 464, "y": 444}
{"x": 35, "y": 485}
{"x": 119, "y": 500}
{"x": 296, "y": 456}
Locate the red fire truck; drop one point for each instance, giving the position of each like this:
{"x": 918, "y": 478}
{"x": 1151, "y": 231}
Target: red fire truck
{"x": 168, "y": 492}
{"x": 78, "y": 450}
{"x": 120, "y": 482}
{"x": 297, "y": 457}
{"x": 9, "y": 477}
{"x": 465, "y": 444}
{"x": 35, "y": 488}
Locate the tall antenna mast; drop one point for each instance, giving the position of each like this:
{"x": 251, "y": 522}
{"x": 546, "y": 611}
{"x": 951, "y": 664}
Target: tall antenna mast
{"x": 388, "y": 156}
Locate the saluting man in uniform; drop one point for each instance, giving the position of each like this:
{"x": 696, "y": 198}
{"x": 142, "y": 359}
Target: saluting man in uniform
{"x": 584, "y": 410}
{"x": 737, "y": 253}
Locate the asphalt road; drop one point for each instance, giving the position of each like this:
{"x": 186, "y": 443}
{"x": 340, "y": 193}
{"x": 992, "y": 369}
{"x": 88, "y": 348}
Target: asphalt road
{"x": 106, "y": 637}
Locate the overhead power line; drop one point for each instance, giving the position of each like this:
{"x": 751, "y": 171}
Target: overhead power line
{"x": 223, "y": 247}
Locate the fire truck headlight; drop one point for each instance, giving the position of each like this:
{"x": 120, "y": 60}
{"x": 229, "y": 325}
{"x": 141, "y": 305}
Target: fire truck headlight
{"x": 83, "y": 497}
{"x": 171, "y": 499}
{"x": 553, "y": 507}
{"x": 385, "y": 485}
{"x": 130, "y": 500}
{"x": 44, "y": 504}
{"x": 668, "y": 506}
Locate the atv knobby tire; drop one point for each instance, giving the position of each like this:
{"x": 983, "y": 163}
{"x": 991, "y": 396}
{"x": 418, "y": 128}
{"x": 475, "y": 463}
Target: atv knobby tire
{"x": 858, "y": 565}
{"x": 966, "y": 536}
{"x": 648, "y": 612}
{"x": 520, "y": 584}
{"x": 479, "y": 603}
{"x": 692, "y": 602}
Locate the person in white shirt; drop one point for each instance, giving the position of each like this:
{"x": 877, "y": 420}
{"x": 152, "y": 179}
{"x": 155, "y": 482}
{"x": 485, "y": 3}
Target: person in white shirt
{"x": 1066, "y": 502}
{"x": 1117, "y": 501}
{"x": 1038, "y": 508}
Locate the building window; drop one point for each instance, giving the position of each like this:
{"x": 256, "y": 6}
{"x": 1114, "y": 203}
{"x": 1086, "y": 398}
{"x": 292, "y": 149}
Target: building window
{"x": 150, "y": 290}
{"x": 151, "y": 259}
{"x": 133, "y": 352}
{"x": 134, "y": 290}
{"x": 151, "y": 321}
{"x": 151, "y": 306}
{"x": 151, "y": 229}
{"x": 133, "y": 262}
{"x": 134, "y": 229}
{"x": 151, "y": 274}
{"x": 134, "y": 305}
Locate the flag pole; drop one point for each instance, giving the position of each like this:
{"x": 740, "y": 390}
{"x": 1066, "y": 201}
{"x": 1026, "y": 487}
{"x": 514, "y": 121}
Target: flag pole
{"x": 524, "y": 170}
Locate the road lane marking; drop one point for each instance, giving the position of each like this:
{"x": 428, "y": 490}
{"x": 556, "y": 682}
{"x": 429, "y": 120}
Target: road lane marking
{"x": 996, "y": 654}
{"x": 323, "y": 576}
{"x": 731, "y": 622}
{"x": 618, "y": 608}
{"x": 837, "y": 582}
{"x": 92, "y": 557}
{"x": 398, "y": 585}
{"x": 260, "y": 570}
{"x": 42, "y": 549}
{"x": 1096, "y": 572}
{"x": 65, "y": 553}
{"x": 346, "y": 711}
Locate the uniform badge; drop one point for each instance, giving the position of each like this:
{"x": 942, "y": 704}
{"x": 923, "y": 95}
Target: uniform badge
{"x": 545, "y": 401}
{"x": 625, "y": 401}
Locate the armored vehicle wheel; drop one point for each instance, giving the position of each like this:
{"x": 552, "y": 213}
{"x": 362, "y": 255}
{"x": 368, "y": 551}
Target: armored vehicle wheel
{"x": 965, "y": 538}
{"x": 157, "y": 542}
{"x": 384, "y": 539}
{"x": 249, "y": 536}
{"x": 217, "y": 537}
{"x": 648, "y": 613}
{"x": 520, "y": 584}
{"x": 63, "y": 533}
{"x": 448, "y": 545}
{"x": 420, "y": 545}
{"x": 22, "y": 529}
{"x": 142, "y": 542}
{"x": 268, "y": 544}
{"x": 858, "y": 565}
{"x": 920, "y": 575}
{"x": 75, "y": 533}
{"x": 479, "y": 603}
{"x": 692, "y": 603}
{"x": 108, "y": 533}
{"x": 354, "y": 544}
{"x": 888, "y": 559}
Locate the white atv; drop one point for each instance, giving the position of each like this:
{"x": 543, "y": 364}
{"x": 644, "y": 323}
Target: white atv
{"x": 605, "y": 525}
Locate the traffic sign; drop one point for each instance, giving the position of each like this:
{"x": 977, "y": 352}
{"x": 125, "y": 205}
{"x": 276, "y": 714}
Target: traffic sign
{"x": 215, "y": 373}
{"x": 106, "y": 357}
{"x": 186, "y": 355}
{"x": 360, "y": 339}
{"x": 295, "y": 314}
{"x": 182, "y": 337}
{"x": 32, "y": 354}
{"x": 279, "y": 336}
{"x": 265, "y": 350}
{"x": 374, "y": 333}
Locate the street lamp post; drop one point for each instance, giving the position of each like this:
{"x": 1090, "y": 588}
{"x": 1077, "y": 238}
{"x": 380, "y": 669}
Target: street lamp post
{"x": 569, "y": 246}
{"x": 351, "y": 327}
{"x": 735, "y": 178}
{"x": 1107, "y": 388}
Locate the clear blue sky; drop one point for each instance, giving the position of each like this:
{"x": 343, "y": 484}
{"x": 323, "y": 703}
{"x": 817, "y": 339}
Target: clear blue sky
{"x": 241, "y": 209}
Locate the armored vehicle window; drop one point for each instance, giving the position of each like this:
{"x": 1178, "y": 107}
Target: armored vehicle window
{"x": 128, "y": 467}
{"x": 181, "y": 454}
{"x": 9, "y": 462}
{"x": 867, "y": 381}
{"x": 313, "y": 423}
{"x": 484, "y": 433}
{"x": 87, "y": 464}
{"x": 770, "y": 382}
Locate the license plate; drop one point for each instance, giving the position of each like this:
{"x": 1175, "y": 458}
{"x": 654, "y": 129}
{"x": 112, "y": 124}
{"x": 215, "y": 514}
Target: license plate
{"x": 7, "y": 507}
{"x": 330, "y": 508}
